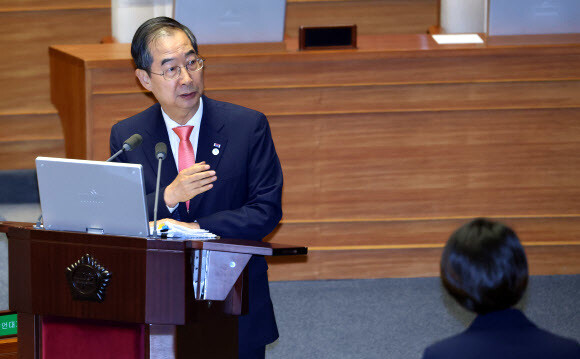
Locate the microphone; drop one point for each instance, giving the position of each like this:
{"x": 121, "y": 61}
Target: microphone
{"x": 129, "y": 145}
{"x": 160, "y": 150}
{"x": 160, "y": 154}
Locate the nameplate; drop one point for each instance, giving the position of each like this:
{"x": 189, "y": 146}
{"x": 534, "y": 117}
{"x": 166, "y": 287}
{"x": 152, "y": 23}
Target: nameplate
{"x": 8, "y": 325}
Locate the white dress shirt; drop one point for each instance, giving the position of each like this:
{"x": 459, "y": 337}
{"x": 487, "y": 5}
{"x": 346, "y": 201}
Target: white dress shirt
{"x": 195, "y": 121}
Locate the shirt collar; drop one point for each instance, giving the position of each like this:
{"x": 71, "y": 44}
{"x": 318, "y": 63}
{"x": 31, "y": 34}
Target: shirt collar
{"x": 193, "y": 121}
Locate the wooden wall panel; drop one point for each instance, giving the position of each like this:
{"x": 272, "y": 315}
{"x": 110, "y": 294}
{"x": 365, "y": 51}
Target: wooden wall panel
{"x": 387, "y": 263}
{"x": 29, "y": 124}
{"x": 370, "y": 16}
{"x": 107, "y": 80}
{"x": 415, "y": 232}
{"x": 365, "y": 190}
{"x": 290, "y": 70}
{"x": 65, "y": 73}
{"x": 17, "y": 155}
{"x": 429, "y": 164}
{"x": 423, "y": 97}
{"x": 51, "y": 5}
{"x": 25, "y": 136}
{"x": 24, "y": 84}
{"x": 397, "y": 263}
{"x": 9, "y": 348}
{"x": 27, "y": 127}
{"x": 391, "y": 67}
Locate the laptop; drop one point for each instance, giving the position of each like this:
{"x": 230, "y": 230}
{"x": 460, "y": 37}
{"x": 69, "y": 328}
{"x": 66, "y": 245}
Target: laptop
{"x": 233, "y": 21}
{"x": 532, "y": 17}
{"x": 92, "y": 196}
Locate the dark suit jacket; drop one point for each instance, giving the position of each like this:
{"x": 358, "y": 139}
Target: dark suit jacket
{"x": 502, "y": 335}
{"x": 245, "y": 201}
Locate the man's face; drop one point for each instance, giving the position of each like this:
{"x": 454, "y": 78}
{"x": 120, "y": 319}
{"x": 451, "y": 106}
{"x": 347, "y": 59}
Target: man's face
{"x": 179, "y": 97}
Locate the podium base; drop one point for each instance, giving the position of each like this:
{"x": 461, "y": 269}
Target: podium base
{"x": 64, "y": 338}
{"x": 208, "y": 334}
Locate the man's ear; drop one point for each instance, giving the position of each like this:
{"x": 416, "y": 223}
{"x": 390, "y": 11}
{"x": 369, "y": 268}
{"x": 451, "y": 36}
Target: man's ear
{"x": 144, "y": 78}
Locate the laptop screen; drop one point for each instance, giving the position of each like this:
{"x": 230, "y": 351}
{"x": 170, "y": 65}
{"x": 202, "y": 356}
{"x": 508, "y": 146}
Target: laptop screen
{"x": 92, "y": 196}
{"x": 233, "y": 21}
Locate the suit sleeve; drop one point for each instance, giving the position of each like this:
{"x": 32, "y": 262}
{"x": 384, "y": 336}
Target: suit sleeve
{"x": 262, "y": 211}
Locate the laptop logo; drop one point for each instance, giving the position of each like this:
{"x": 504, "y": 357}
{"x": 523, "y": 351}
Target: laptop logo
{"x": 92, "y": 197}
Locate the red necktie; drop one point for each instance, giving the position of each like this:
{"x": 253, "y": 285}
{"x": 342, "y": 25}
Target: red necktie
{"x": 186, "y": 155}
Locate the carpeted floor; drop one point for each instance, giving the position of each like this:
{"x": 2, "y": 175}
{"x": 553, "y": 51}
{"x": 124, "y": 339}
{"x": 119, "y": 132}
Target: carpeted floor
{"x": 396, "y": 318}
{"x": 374, "y": 318}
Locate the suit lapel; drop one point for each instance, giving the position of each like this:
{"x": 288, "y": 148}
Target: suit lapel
{"x": 157, "y": 132}
{"x": 211, "y": 144}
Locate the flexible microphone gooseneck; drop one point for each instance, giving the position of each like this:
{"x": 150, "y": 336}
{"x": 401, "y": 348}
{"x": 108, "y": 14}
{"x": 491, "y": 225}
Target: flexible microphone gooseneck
{"x": 160, "y": 154}
{"x": 129, "y": 145}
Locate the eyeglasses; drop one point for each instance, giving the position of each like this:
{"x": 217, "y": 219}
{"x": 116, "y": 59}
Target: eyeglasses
{"x": 174, "y": 71}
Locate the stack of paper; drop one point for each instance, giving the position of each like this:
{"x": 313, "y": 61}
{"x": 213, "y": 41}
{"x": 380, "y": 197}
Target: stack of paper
{"x": 172, "y": 230}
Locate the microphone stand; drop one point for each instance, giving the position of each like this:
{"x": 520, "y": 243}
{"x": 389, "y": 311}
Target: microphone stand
{"x": 129, "y": 144}
{"x": 156, "y": 199}
{"x": 160, "y": 153}
{"x": 116, "y": 154}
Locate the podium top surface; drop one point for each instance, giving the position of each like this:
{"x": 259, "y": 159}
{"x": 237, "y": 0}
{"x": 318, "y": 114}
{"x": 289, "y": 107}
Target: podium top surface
{"x": 26, "y": 231}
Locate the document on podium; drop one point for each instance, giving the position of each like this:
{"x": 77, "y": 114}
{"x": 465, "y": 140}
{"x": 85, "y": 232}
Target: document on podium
{"x": 169, "y": 230}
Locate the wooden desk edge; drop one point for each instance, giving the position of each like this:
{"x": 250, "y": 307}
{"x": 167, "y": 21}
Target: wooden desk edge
{"x": 222, "y": 245}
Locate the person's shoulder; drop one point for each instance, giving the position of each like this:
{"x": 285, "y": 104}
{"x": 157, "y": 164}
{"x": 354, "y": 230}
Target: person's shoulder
{"x": 545, "y": 343}
{"x": 446, "y": 348}
{"x": 558, "y": 346}
{"x": 531, "y": 341}
{"x": 232, "y": 112}
{"x": 137, "y": 119}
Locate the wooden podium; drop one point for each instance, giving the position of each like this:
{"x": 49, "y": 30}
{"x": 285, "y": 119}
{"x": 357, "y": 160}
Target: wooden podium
{"x": 84, "y": 293}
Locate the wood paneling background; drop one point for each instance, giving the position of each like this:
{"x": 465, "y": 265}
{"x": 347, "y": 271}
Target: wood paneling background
{"x": 386, "y": 149}
{"x": 372, "y": 17}
{"x": 9, "y": 348}
{"x": 412, "y": 247}
{"x": 31, "y": 26}
{"x": 389, "y": 148}
{"x": 29, "y": 123}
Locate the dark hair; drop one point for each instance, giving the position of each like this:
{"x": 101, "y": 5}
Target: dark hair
{"x": 484, "y": 266}
{"x": 148, "y": 32}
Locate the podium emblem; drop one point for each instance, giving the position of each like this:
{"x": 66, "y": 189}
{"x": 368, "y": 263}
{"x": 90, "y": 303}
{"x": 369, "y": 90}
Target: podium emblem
{"x": 87, "y": 279}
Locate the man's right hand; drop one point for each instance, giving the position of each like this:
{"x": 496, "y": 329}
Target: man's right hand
{"x": 189, "y": 183}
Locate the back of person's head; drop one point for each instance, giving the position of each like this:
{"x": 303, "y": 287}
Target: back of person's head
{"x": 151, "y": 30}
{"x": 484, "y": 266}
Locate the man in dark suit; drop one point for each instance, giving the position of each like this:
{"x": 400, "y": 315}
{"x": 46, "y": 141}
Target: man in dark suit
{"x": 222, "y": 172}
{"x": 484, "y": 268}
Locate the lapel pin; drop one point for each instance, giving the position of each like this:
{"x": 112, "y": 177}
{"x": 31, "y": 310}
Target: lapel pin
{"x": 216, "y": 150}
